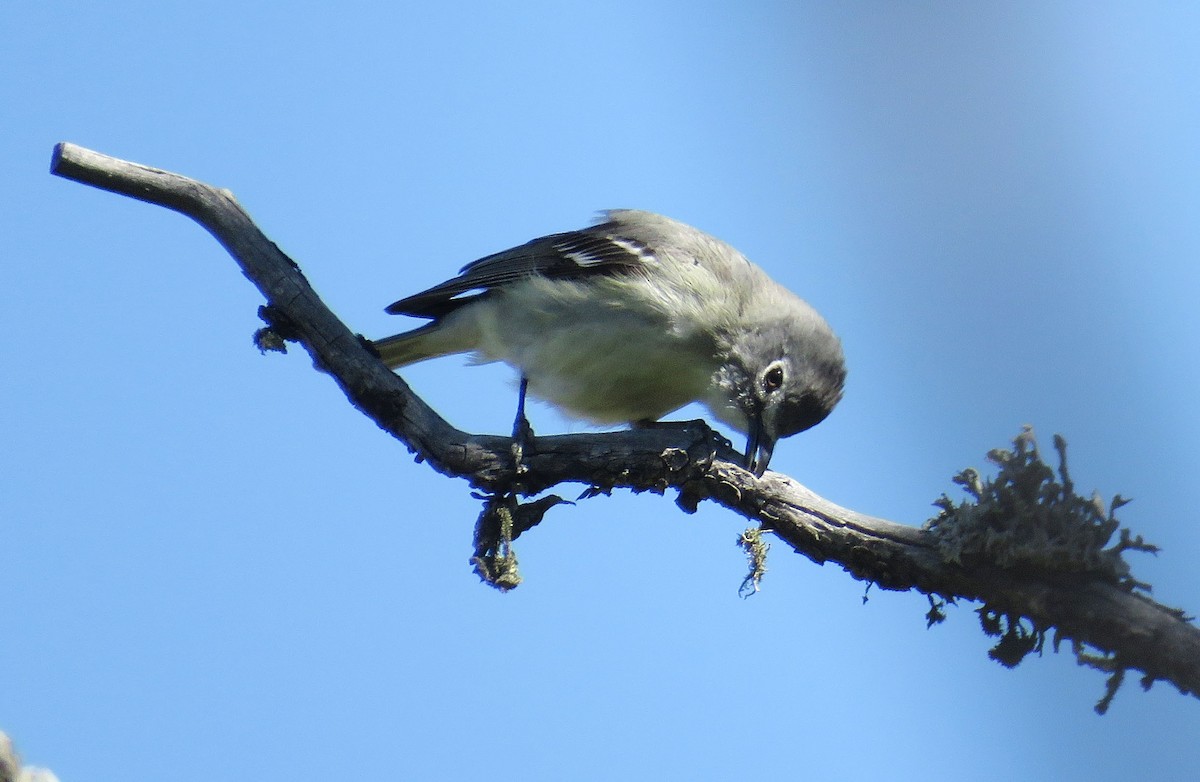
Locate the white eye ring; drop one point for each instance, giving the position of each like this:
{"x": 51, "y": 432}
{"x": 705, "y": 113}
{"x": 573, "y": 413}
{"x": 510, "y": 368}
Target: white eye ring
{"x": 772, "y": 379}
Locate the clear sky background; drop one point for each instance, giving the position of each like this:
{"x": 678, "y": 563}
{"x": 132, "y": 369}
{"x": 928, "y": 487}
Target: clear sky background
{"x": 215, "y": 568}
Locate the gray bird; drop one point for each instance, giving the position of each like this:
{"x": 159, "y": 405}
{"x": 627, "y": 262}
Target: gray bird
{"x": 632, "y": 318}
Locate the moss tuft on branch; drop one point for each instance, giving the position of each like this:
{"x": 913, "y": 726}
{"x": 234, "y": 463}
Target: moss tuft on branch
{"x": 1029, "y": 517}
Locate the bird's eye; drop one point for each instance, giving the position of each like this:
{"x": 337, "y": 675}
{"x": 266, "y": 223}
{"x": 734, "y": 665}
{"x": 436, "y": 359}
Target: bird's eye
{"x": 773, "y": 379}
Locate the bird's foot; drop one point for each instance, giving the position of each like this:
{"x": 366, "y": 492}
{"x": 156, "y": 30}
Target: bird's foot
{"x": 522, "y": 436}
{"x": 522, "y": 440}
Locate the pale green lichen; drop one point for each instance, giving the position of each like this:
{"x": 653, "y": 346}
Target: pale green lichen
{"x": 495, "y": 561}
{"x": 751, "y": 541}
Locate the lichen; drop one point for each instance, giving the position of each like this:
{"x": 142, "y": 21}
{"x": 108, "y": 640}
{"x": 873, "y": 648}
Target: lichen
{"x": 1029, "y": 517}
{"x": 494, "y": 560}
{"x": 751, "y": 541}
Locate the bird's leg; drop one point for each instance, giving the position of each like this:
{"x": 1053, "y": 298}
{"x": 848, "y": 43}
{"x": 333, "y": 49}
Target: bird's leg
{"x": 494, "y": 560}
{"x": 522, "y": 431}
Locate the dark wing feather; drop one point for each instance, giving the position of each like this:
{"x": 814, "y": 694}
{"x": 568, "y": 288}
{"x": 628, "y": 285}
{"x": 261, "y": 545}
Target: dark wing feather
{"x": 569, "y": 255}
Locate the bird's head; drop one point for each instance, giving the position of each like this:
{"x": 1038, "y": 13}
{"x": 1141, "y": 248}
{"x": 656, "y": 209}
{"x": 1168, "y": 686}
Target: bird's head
{"x": 776, "y": 380}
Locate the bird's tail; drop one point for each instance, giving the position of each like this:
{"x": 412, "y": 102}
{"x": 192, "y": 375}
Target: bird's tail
{"x": 429, "y": 341}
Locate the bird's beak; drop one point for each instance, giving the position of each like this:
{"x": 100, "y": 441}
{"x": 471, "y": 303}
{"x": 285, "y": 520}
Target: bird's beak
{"x": 759, "y": 447}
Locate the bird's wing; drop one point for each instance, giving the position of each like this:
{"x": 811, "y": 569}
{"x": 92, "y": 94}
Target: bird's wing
{"x": 601, "y": 249}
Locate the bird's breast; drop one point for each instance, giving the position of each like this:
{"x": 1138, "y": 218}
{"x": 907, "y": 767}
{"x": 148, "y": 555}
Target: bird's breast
{"x": 606, "y": 359}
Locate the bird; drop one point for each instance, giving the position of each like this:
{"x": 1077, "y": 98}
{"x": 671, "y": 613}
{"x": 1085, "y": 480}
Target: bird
{"x": 630, "y": 319}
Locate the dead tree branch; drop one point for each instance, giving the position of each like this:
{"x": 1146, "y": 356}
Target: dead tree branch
{"x": 1129, "y": 630}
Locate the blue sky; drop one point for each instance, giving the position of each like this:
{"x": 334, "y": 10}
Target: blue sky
{"x": 215, "y": 567}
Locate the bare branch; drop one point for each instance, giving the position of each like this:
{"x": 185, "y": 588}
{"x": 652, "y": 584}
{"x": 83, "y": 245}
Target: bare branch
{"x": 1136, "y": 632}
